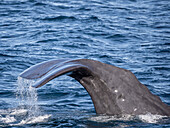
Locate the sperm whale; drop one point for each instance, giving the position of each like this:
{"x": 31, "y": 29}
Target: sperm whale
{"x": 113, "y": 90}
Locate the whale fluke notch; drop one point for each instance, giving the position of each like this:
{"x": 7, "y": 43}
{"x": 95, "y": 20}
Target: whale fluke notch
{"x": 113, "y": 90}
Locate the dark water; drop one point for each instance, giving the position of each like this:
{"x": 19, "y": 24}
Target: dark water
{"x": 131, "y": 34}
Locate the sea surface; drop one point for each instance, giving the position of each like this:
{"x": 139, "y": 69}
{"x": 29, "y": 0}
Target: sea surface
{"x": 131, "y": 34}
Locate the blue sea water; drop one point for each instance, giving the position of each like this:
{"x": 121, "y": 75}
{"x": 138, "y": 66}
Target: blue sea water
{"x": 131, "y": 34}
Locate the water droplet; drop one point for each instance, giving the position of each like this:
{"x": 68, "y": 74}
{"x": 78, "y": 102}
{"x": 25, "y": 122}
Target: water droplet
{"x": 116, "y": 91}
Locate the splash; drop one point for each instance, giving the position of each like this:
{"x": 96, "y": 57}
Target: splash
{"x": 27, "y": 97}
{"x": 19, "y": 118}
{"x": 28, "y": 111}
{"x": 150, "y": 118}
{"x": 34, "y": 120}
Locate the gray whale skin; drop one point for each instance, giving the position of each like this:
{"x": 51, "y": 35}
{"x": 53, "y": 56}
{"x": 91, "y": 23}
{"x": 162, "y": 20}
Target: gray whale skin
{"x": 113, "y": 90}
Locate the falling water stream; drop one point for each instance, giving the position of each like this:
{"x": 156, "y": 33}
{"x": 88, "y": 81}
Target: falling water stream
{"x": 27, "y": 97}
{"x": 28, "y": 111}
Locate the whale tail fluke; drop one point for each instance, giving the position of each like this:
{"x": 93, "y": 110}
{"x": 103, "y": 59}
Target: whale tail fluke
{"x": 113, "y": 90}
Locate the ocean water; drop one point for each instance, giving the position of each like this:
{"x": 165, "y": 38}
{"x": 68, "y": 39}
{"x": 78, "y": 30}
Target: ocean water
{"x": 131, "y": 34}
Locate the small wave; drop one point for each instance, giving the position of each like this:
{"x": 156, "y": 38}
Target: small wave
{"x": 47, "y": 40}
{"x": 84, "y": 9}
{"x": 162, "y": 26}
{"x": 58, "y": 18}
{"x": 5, "y": 55}
{"x": 115, "y": 36}
{"x": 91, "y": 18}
{"x": 12, "y": 2}
{"x": 94, "y": 18}
{"x": 61, "y": 5}
{"x": 39, "y": 4}
{"x": 148, "y": 118}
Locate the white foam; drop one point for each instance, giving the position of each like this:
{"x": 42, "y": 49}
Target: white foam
{"x": 12, "y": 117}
{"x": 7, "y": 119}
{"x": 104, "y": 118}
{"x": 3, "y": 112}
{"x": 19, "y": 112}
{"x": 147, "y": 118}
{"x": 150, "y": 118}
{"x": 34, "y": 120}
